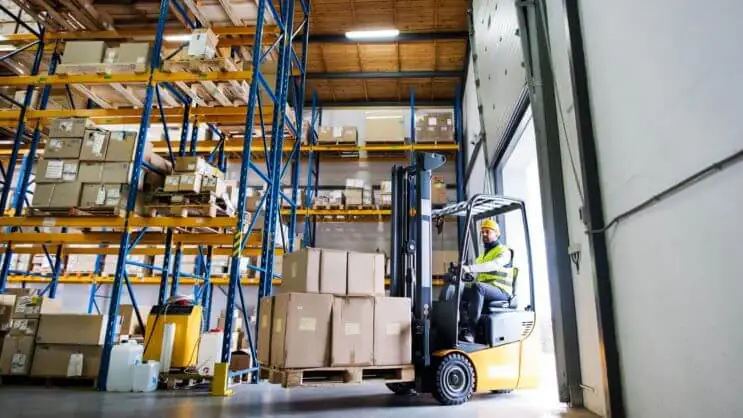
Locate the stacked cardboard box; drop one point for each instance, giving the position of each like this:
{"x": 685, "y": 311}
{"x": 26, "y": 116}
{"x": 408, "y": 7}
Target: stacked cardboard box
{"x": 434, "y": 126}
{"x": 337, "y": 135}
{"x": 69, "y": 345}
{"x": 328, "y": 198}
{"x": 387, "y": 126}
{"x": 385, "y": 193}
{"x": 203, "y": 44}
{"x": 357, "y": 193}
{"x": 18, "y": 345}
{"x": 332, "y": 312}
{"x": 88, "y": 168}
{"x": 438, "y": 191}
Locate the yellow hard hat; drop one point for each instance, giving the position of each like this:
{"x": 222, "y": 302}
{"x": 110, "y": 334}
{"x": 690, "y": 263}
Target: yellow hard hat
{"x": 490, "y": 224}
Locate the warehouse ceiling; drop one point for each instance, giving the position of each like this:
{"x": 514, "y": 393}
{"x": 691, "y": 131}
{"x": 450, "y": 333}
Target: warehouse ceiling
{"x": 428, "y": 56}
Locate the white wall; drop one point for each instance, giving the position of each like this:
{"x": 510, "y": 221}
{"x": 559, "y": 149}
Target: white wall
{"x": 664, "y": 80}
{"x": 586, "y": 315}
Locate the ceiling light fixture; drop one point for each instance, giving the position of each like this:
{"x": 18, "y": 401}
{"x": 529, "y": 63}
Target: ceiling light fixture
{"x": 372, "y": 34}
{"x": 177, "y": 38}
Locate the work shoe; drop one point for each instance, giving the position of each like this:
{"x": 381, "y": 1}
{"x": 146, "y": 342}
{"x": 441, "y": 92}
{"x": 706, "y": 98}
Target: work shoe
{"x": 467, "y": 336}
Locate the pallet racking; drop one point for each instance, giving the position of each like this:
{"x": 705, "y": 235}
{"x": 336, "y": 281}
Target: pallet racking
{"x": 282, "y": 151}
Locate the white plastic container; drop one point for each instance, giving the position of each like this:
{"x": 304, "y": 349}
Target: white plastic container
{"x": 210, "y": 352}
{"x": 166, "y": 349}
{"x": 121, "y": 368}
{"x": 145, "y": 376}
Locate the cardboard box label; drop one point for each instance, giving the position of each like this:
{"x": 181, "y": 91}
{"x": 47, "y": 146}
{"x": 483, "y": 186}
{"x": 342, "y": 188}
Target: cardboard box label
{"x": 278, "y": 326}
{"x": 75, "y": 365}
{"x": 307, "y": 324}
{"x": 100, "y": 196}
{"x": 69, "y": 171}
{"x": 55, "y": 144}
{"x": 18, "y": 364}
{"x": 54, "y": 169}
{"x": 352, "y": 328}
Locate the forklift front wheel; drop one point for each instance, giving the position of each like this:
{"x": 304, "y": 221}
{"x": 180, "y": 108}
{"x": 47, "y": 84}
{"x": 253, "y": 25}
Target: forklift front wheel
{"x": 454, "y": 380}
{"x": 401, "y": 388}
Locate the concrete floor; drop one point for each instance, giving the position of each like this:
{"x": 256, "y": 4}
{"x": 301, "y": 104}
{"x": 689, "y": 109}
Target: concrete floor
{"x": 270, "y": 400}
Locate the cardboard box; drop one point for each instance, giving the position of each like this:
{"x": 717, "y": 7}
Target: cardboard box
{"x": 90, "y": 172}
{"x": 63, "y": 148}
{"x": 95, "y": 144}
{"x": 349, "y": 134}
{"x": 192, "y": 165}
{"x": 264, "y": 333}
{"x": 388, "y": 128}
{"x": 365, "y": 274}
{"x": 353, "y": 331}
{"x": 328, "y": 134}
{"x": 172, "y": 182}
{"x": 53, "y": 360}
{"x": 129, "y": 323}
{"x": 333, "y": 271}
{"x": 116, "y": 172}
{"x": 392, "y": 331}
{"x": 61, "y": 328}
{"x": 441, "y": 261}
{"x": 240, "y": 360}
{"x": 24, "y": 326}
{"x": 203, "y": 44}
{"x": 121, "y": 146}
{"x": 7, "y": 303}
{"x": 301, "y": 330}
{"x": 17, "y": 354}
{"x": 69, "y": 127}
{"x": 301, "y": 271}
{"x": 439, "y": 195}
{"x": 84, "y": 52}
{"x": 137, "y": 53}
{"x": 213, "y": 185}
{"x": 65, "y": 195}
{"x": 190, "y": 183}
{"x": 56, "y": 171}
{"x": 237, "y": 320}
{"x": 354, "y": 197}
{"x": 20, "y": 291}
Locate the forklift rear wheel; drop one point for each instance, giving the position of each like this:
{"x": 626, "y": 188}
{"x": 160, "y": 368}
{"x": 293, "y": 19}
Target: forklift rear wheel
{"x": 401, "y": 388}
{"x": 454, "y": 380}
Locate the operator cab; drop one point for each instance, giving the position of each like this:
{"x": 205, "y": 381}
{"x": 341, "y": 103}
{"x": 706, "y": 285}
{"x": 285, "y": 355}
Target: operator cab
{"x": 502, "y": 322}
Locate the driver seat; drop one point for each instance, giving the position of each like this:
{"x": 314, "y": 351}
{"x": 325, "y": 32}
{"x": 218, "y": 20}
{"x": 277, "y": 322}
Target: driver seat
{"x": 498, "y": 306}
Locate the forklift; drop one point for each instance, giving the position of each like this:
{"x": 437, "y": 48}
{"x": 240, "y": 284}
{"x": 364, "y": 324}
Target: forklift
{"x": 506, "y": 352}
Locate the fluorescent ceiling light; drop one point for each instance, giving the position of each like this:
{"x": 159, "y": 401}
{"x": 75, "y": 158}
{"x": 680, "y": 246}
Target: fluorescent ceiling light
{"x": 177, "y": 38}
{"x": 373, "y": 34}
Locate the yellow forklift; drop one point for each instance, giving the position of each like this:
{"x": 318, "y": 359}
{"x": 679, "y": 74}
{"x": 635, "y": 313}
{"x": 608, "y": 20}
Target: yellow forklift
{"x": 506, "y": 352}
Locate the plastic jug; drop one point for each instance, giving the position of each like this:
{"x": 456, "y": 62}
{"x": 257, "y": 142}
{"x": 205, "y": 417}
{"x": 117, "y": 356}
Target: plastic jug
{"x": 145, "y": 376}
{"x": 210, "y": 352}
{"x": 121, "y": 368}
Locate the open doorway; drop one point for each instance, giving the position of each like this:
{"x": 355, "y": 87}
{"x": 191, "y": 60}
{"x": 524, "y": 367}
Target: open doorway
{"x": 517, "y": 176}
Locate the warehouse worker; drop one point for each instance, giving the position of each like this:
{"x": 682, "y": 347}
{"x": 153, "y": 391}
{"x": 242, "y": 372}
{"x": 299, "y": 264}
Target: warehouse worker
{"x": 493, "y": 273}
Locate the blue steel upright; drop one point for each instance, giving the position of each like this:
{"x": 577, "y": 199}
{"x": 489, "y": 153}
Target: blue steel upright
{"x": 113, "y": 310}
{"x": 237, "y": 239}
{"x": 17, "y": 140}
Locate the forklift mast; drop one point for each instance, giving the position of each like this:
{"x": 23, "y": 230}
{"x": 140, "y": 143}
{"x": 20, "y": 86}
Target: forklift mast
{"x": 412, "y": 246}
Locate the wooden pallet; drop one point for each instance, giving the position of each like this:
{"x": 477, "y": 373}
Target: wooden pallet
{"x": 329, "y": 376}
{"x": 328, "y": 207}
{"x": 190, "y": 210}
{"x": 361, "y": 207}
{"x": 101, "y": 68}
{"x": 178, "y": 198}
{"x": 200, "y": 66}
{"x": 182, "y": 380}
{"x": 48, "y": 381}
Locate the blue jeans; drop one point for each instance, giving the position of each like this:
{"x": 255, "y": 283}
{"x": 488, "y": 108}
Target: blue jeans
{"x": 477, "y": 296}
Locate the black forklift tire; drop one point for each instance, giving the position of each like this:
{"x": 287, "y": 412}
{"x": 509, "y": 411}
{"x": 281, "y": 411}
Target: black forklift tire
{"x": 401, "y": 388}
{"x": 454, "y": 380}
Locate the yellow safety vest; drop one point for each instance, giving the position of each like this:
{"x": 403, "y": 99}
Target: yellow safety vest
{"x": 501, "y": 278}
